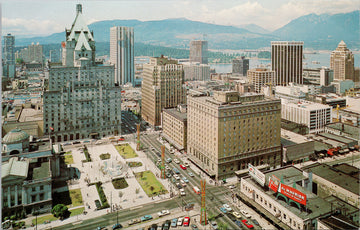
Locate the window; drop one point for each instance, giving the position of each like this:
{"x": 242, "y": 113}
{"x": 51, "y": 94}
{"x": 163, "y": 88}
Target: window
{"x": 33, "y": 198}
{"x": 41, "y": 196}
{"x": 41, "y": 187}
{"x": 33, "y": 189}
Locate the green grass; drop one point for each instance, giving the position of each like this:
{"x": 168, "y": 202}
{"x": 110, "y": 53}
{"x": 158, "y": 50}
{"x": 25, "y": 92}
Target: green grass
{"x": 134, "y": 164}
{"x": 69, "y": 152}
{"x": 76, "y": 198}
{"x": 147, "y": 180}
{"x": 120, "y": 183}
{"x": 68, "y": 159}
{"x": 42, "y": 219}
{"x": 126, "y": 151}
{"x": 105, "y": 156}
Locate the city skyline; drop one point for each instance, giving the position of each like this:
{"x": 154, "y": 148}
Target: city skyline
{"x": 45, "y": 19}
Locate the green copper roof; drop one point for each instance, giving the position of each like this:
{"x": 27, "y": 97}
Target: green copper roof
{"x": 15, "y": 135}
{"x": 14, "y": 168}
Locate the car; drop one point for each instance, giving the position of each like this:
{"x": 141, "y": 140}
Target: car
{"x": 146, "y": 217}
{"x": 176, "y": 170}
{"x": 222, "y": 209}
{"x": 87, "y": 141}
{"x": 163, "y": 213}
{"x": 117, "y": 226}
{"x": 231, "y": 216}
{"x": 183, "y": 167}
{"x": 153, "y": 227}
{"x": 98, "y": 143}
{"x": 121, "y": 139}
{"x": 76, "y": 142}
{"x": 180, "y": 221}
{"x": 191, "y": 174}
{"x": 185, "y": 180}
{"x": 194, "y": 227}
{"x": 100, "y": 228}
{"x": 168, "y": 175}
{"x": 97, "y": 204}
{"x": 178, "y": 185}
{"x": 176, "y": 161}
{"x": 67, "y": 144}
{"x": 159, "y": 160}
{"x": 227, "y": 207}
{"x": 134, "y": 221}
{"x": 167, "y": 167}
{"x": 237, "y": 215}
{"x": 214, "y": 225}
{"x": 247, "y": 225}
{"x": 174, "y": 222}
{"x": 176, "y": 177}
{"x": 182, "y": 183}
{"x": 238, "y": 223}
{"x": 169, "y": 160}
{"x": 245, "y": 213}
{"x": 187, "y": 164}
{"x": 166, "y": 225}
{"x": 255, "y": 222}
{"x": 232, "y": 186}
{"x": 182, "y": 192}
{"x": 186, "y": 221}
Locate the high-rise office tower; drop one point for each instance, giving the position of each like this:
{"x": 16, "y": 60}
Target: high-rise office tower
{"x": 9, "y": 56}
{"x": 240, "y": 65}
{"x": 81, "y": 100}
{"x": 260, "y": 77}
{"x": 342, "y": 62}
{"x": 228, "y": 130}
{"x": 35, "y": 53}
{"x": 162, "y": 87}
{"x": 199, "y": 51}
{"x": 122, "y": 54}
{"x": 286, "y": 61}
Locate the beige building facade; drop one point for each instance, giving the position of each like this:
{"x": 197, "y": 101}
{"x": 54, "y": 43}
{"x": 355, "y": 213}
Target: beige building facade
{"x": 174, "y": 124}
{"x": 342, "y": 63}
{"x": 229, "y": 130}
{"x": 260, "y": 77}
{"x": 162, "y": 87}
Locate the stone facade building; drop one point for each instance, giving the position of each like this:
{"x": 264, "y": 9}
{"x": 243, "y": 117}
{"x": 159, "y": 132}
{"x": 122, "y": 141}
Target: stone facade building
{"x": 342, "y": 63}
{"x": 162, "y": 87}
{"x": 230, "y": 130}
{"x": 174, "y": 124}
{"x": 260, "y": 77}
{"x": 199, "y": 51}
{"x": 81, "y": 100}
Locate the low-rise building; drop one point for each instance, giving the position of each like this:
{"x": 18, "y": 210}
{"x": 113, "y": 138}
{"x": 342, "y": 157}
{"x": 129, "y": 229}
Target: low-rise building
{"x": 174, "y": 124}
{"x": 296, "y": 148}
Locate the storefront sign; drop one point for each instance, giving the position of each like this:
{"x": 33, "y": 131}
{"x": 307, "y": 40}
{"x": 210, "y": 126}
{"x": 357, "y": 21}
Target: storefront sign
{"x": 256, "y": 174}
{"x": 274, "y": 183}
{"x": 293, "y": 194}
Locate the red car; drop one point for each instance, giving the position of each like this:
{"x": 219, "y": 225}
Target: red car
{"x": 183, "y": 167}
{"x": 186, "y": 221}
{"x": 121, "y": 139}
{"x": 247, "y": 225}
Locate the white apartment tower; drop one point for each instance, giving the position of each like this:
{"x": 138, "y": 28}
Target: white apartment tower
{"x": 286, "y": 61}
{"x": 81, "y": 100}
{"x": 122, "y": 54}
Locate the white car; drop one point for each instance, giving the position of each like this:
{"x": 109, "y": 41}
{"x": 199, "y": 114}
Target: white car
{"x": 237, "y": 215}
{"x": 245, "y": 213}
{"x": 163, "y": 213}
{"x": 180, "y": 221}
{"x": 227, "y": 207}
{"x": 186, "y": 164}
{"x": 232, "y": 186}
{"x": 182, "y": 192}
{"x": 176, "y": 177}
{"x": 176, "y": 161}
{"x": 182, "y": 183}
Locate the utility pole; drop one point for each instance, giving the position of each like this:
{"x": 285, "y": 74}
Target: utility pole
{"x": 203, "y": 219}
{"x": 162, "y": 167}
{"x": 138, "y": 137}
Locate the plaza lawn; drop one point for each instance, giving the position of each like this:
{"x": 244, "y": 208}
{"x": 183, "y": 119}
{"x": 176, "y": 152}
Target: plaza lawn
{"x": 76, "y": 198}
{"x": 42, "y": 219}
{"x": 105, "y": 156}
{"x": 68, "y": 159}
{"x": 150, "y": 184}
{"x": 70, "y": 198}
{"x": 134, "y": 164}
{"x": 126, "y": 151}
{"x": 69, "y": 152}
{"x": 120, "y": 183}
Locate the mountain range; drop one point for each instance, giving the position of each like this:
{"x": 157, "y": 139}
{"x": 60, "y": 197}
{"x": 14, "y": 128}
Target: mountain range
{"x": 323, "y": 31}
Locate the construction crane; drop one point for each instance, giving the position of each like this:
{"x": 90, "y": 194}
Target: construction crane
{"x": 337, "y": 111}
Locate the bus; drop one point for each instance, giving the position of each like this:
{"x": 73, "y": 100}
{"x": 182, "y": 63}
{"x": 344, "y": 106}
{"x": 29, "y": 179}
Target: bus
{"x": 196, "y": 190}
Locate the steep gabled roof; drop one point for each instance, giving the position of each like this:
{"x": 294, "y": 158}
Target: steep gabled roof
{"x": 78, "y": 26}
{"x": 14, "y": 167}
{"x": 82, "y": 42}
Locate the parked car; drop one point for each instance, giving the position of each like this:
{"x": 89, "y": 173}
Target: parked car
{"x": 227, "y": 207}
{"x": 176, "y": 161}
{"x": 174, "y": 222}
{"x": 169, "y": 160}
{"x": 237, "y": 215}
{"x": 176, "y": 170}
{"x": 117, "y": 226}
{"x": 238, "y": 223}
{"x": 187, "y": 164}
{"x": 185, "y": 179}
{"x": 121, "y": 139}
{"x": 153, "y": 227}
{"x": 134, "y": 221}
{"x": 232, "y": 186}
{"x": 186, "y": 221}
{"x": 245, "y": 213}
{"x": 180, "y": 221}
{"x": 194, "y": 227}
{"x": 176, "y": 177}
{"x": 163, "y": 213}
{"x": 146, "y": 217}
{"x": 191, "y": 174}
{"x": 182, "y": 183}
{"x": 182, "y": 192}
{"x": 255, "y": 222}
{"x": 178, "y": 185}
{"x": 247, "y": 225}
{"x": 222, "y": 209}
{"x": 183, "y": 167}
{"x": 97, "y": 204}
{"x": 214, "y": 225}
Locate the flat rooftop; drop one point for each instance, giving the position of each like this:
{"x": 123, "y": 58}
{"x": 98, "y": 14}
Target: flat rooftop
{"x": 291, "y": 138}
{"x": 337, "y": 138}
{"x": 316, "y": 206}
{"x": 335, "y": 176}
{"x": 40, "y": 170}
{"x": 307, "y": 105}
{"x": 177, "y": 114}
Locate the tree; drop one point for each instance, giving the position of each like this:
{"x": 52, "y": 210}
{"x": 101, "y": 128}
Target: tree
{"x": 152, "y": 189}
{"x": 60, "y": 211}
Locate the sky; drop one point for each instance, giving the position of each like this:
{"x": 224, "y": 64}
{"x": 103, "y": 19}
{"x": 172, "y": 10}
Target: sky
{"x": 35, "y": 17}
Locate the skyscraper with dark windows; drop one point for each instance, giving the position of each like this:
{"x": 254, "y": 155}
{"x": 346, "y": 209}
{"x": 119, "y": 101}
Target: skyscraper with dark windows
{"x": 9, "y": 56}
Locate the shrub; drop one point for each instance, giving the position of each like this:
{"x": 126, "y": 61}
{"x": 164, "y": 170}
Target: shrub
{"x": 60, "y": 210}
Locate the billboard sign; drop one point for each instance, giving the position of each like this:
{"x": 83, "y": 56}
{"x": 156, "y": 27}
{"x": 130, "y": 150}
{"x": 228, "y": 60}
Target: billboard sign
{"x": 257, "y": 175}
{"x": 274, "y": 183}
{"x": 293, "y": 194}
